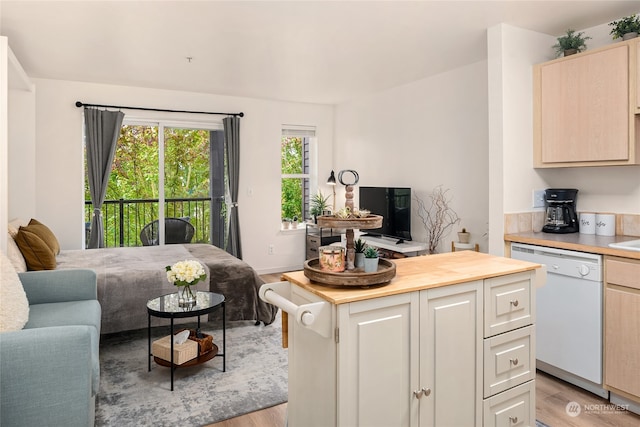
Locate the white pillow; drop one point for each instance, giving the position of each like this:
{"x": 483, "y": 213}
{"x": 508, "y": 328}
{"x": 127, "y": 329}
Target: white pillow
{"x": 14, "y": 306}
{"x": 15, "y": 255}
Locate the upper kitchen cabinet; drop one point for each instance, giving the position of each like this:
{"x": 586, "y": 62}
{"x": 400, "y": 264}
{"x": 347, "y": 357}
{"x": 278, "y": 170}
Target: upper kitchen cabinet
{"x": 637, "y": 71}
{"x": 587, "y": 108}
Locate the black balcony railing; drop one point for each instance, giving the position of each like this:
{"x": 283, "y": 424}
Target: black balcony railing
{"x": 124, "y": 219}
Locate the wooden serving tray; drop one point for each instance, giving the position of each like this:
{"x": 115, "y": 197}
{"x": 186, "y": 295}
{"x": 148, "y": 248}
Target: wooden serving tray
{"x": 330, "y": 221}
{"x": 386, "y": 272}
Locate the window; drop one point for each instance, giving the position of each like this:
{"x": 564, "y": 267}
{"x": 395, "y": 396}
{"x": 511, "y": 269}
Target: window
{"x": 297, "y": 169}
{"x": 164, "y": 170}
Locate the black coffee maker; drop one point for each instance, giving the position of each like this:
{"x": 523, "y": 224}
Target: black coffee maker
{"x": 561, "y": 216}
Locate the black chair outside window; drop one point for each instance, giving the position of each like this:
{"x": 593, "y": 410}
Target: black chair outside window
{"x": 176, "y": 230}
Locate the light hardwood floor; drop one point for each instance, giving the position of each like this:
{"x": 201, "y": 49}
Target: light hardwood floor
{"x": 552, "y": 397}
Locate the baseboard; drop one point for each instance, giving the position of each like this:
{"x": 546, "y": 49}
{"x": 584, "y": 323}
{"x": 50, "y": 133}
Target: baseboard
{"x": 276, "y": 270}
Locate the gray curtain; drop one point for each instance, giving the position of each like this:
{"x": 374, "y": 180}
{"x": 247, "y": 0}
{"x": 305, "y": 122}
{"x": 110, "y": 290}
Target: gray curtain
{"x": 102, "y": 129}
{"x": 232, "y": 149}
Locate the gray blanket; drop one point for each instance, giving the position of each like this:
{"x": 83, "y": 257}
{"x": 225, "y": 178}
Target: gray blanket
{"x": 129, "y": 277}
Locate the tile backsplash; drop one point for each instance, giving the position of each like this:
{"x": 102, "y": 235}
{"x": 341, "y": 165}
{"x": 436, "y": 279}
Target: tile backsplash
{"x": 522, "y": 222}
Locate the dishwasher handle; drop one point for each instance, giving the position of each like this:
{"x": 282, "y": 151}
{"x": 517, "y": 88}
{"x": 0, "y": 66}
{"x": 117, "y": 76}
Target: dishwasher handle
{"x": 315, "y": 316}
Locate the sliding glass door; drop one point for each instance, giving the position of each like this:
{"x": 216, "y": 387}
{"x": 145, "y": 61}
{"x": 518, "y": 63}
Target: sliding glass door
{"x": 163, "y": 173}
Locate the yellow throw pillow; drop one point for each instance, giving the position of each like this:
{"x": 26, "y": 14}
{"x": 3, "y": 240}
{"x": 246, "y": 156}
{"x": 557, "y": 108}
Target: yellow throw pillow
{"x": 42, "y": 231}
{"x": 37, "y": 254}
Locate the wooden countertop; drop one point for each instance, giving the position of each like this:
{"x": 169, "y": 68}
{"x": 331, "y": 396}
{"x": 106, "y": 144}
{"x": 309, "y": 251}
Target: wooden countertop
{"x": 576, "y": 242}
{"x": 421, "y": 272}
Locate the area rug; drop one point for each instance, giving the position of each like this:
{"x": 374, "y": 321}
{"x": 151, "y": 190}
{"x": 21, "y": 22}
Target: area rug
{"x": 255, "y": 378}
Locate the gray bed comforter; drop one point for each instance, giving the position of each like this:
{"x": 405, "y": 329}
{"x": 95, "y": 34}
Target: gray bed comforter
{"x": 129, "y": 277}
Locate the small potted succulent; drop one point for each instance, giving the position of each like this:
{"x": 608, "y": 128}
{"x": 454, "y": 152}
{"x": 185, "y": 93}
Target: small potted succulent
{"x": 571, "y": 43}
{"x": 626, "y": 28}
{"x": 371, "y": 258}
{"x": 359, "y": 247}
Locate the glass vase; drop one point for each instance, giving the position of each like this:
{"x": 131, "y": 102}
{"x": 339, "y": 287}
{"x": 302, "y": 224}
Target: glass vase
{"x": 186, "y": 297}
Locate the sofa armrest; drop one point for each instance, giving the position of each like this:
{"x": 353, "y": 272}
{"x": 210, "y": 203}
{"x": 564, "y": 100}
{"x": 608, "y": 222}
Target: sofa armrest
{"x": 59, "y": 285}
{"x": 45, "y": 377}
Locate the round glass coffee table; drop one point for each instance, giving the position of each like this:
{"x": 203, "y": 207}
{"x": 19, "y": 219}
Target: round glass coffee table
{"x": 166, "y": 306}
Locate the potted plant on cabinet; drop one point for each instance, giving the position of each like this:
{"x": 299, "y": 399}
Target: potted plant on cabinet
{"x": 319, "y": 204}
{"x": 286, "y": 223}
{"x": 626, "y": 28}
{"x": 359, "y": 247}
{"x": 371, "y": 258}
{"x": 464, "y": 236}
{"x": 571, "y": 43}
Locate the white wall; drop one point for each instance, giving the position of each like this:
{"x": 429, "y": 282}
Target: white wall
{"x": 22, "y": 154}
{"x": 59, "y": 160}
{"x": 17, "y": 140}
{"x": 4, "y": 150}
{"x": 512, "y": 53}
{"x": 428, "y": 133}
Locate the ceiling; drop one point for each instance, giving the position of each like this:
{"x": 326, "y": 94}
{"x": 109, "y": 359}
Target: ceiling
{"x": 305, "y": 51}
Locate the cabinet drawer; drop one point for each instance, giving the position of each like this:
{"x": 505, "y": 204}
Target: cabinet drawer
{"x": 508, "y": 303}
{"x": 313, "y": 241}
{"x": 312, "y": 253}
{"x": 509, "y": 360}
{"x": 622, "y": 272}
{"x": 515, "y": 407}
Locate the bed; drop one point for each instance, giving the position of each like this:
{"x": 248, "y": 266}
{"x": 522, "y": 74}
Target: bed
{"x": 129, "y": 277}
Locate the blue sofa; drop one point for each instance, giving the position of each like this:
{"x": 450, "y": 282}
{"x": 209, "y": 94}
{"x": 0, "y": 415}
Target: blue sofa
{"x": 50, "y": 370}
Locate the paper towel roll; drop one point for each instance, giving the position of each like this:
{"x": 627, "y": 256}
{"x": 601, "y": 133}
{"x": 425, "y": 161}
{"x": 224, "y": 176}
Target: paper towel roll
{"x": 605, "y": 224}
{"x": 587, "y": 223}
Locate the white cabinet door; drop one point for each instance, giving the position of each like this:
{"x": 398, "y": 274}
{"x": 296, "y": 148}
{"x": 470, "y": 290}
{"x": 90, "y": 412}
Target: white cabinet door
{"x": 450, "y": 355}
{"x": 377, "y": 359}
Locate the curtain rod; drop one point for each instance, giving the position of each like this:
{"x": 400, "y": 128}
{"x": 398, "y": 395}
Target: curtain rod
{"x": 81, "y": 104}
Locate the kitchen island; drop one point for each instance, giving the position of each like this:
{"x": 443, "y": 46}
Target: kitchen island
{"x": 449, "y": 341}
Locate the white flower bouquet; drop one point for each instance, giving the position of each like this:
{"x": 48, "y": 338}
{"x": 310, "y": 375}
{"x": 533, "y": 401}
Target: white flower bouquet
{"x": 185, "y": 273}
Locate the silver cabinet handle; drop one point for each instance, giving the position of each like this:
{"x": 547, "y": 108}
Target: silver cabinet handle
{"x": 514, "y": 303}
{"x": 513, "y": 419}
{"x": 514, "y": 361}
{"x": 423, "y": 391}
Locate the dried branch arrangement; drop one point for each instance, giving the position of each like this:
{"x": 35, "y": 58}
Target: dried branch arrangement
{"x": 437, "y": 217}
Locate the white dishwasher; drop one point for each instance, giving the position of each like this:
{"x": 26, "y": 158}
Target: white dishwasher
{"x": 568, "y": 315}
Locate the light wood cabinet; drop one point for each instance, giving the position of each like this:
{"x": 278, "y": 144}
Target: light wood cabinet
{"x": 621, "y": 324}
{"x": 637, "y": 79}
{"x": 585, "y": 109}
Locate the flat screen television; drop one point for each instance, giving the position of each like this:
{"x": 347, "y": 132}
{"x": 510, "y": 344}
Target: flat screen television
{"x": 394, "y": 204}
